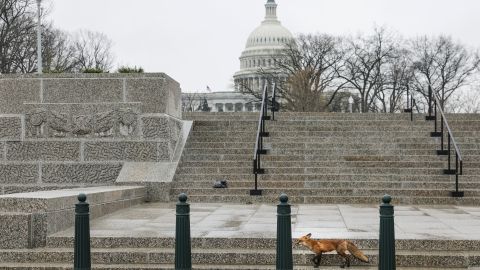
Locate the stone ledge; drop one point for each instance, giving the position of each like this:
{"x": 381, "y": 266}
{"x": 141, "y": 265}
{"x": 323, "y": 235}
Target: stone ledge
{"x": 27, "y": 218}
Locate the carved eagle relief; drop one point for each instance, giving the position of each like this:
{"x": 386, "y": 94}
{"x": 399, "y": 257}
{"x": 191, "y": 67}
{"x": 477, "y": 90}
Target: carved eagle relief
{"x": 105, "y": 123}
{"x": 58, "y": 122}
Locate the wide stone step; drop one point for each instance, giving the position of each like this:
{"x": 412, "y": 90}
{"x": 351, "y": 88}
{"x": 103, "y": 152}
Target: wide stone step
{"x": 328, "y": 177}
{"x": 226, "y": 256}
{"x": 273, "y": 128}
{"x": 274, "y": 145}
{"x": 247, "y": 199}
{"x": 338, "y": 191}
{"x": 346, "y": 122}
{"x": 65, "y": 240}
{"x": 331, "y": 164}
{"x": 322, "y": 170}
{"x": 333, "y": 184}
{"x": 278, "y": 158}
{"x": 240, "y": 133}
{"x": 62, "y": 266}
{"x": 321, "y": 152}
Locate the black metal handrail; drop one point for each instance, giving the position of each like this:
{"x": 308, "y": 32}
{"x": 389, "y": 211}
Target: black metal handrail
{"x": 411, "y": 103}
{"x": 274, "y": 101}
{"x": 450, "y": 140}
{"x": 261, "y": 133}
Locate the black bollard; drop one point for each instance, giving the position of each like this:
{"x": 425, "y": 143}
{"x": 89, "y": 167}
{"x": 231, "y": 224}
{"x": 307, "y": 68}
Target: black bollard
{"x": 284, "y": 235}
{"x": 386, "y": 260}
{"x": 183, "y": 248}
{"x": 81, "y": 260}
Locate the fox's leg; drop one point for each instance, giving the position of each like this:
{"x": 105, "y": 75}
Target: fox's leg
{"x": 345, "y": 256}
{"x": 316, "y": 260}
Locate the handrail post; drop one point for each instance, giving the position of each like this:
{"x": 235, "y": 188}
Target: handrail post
{"x": 183, "y": 245}
{"x": 386, "y": 260}
{"x": 429, "y": 117}
{"x": 449, "y": 153}
{"x": 82, "y": 256}
{"x": 411, "y": 107}
{"x": 408, "y": 99}
{"x": 274, "y": 100}
{"x": 436, "y": 133}
{"x": 457, "y": 193}
{"x": 284, "y": 235}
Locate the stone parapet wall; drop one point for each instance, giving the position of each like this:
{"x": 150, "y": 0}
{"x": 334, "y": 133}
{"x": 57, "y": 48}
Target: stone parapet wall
{"x": 157, "y": 92}
{"x": 79, "y": 129}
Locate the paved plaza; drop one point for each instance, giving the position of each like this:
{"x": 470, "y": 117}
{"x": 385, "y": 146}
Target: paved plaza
{"x": 323, "y": 221}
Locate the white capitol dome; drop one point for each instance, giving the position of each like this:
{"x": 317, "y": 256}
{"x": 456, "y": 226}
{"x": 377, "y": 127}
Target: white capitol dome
{"x": 269, "y": 34}
{"x": 263, "y": 45}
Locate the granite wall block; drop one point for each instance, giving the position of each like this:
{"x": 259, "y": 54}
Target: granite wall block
{"x": 14, "y": 92}
{"x": 164, "y": 151}
{"x": 85, "y": 90}
{"x": 39, "y": 229}
{"x": 43, "y": 151}
{"x": 151, "y": 92}
{"x": 10, "y": 128}
{"x": 159, "y": 94}
{"x": 158, "y": 191}
{"x": 162, "y": 127}
{"x": 120, "y": 151}
{"x": 18, "y": 173}
{"x": 156, "y": 127}
{"x": 2, "y": 151}
{"x": 174, "y": 105}
{"x": 15, "y": 230}
{"x": 86, "y": 173}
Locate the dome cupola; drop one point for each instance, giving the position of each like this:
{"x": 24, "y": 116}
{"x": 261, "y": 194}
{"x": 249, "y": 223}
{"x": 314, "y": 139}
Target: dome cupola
{"x": 263, "y": 47}
{"x": 270, "y": 32}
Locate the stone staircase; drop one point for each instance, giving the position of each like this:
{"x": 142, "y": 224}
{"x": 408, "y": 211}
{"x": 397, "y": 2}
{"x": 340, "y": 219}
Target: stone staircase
{"x": 227, "y": 253}
{"x": 327, "y": 158}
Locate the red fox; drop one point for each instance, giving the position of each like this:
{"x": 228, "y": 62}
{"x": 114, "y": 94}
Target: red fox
{"x": 341, "y": 246}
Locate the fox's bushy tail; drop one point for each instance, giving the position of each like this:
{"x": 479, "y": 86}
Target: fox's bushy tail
{"x": 356, "y": 252}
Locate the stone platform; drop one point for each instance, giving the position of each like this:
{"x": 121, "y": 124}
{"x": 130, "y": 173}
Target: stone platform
{"x": 323, "y": 221}
{"x": 238, "y": 236}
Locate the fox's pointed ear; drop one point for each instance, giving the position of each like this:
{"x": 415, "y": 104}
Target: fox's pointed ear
{"x": 309, "y": 235}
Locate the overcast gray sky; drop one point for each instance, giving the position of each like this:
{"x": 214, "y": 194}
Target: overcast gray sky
{"x": 198, "y": 42}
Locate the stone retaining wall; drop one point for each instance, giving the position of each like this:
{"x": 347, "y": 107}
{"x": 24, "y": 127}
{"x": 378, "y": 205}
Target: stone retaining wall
{"x": 79, "y": 129}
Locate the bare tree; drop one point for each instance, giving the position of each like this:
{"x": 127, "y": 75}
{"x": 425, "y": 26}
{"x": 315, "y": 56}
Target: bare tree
{"x": 365, "y": 59}
{"x": 17, "y": 29}
{"x": 468, "y": 102}
{"x": 443, "y": 64}
{"x": 304, "y": 71}
{"x": 18, "y": 48}
{"x": 93, "y": 50}
{"x": 59, "y": 52}
{"x": 395, "y": 80}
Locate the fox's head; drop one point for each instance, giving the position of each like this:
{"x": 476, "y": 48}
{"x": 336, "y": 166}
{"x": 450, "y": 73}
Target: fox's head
{"x": 304, "y": 239}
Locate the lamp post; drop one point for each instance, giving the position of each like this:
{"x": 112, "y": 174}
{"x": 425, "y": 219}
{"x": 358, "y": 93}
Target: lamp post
{"x": 39, "y": 38}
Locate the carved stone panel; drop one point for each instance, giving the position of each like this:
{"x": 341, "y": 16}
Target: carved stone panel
{"x": 74, "y": 123}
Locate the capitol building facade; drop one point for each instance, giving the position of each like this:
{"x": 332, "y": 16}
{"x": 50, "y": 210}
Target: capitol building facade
{"x": 263, "y": 47}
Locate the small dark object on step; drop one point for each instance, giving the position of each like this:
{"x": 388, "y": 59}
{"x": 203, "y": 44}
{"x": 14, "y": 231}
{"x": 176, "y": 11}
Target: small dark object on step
{"x": 220, "y": 184}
